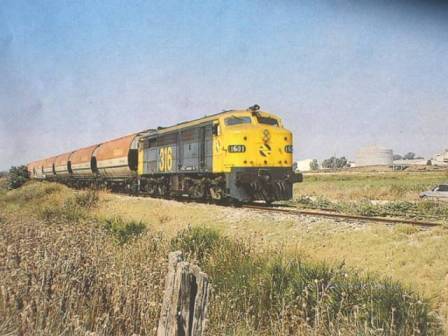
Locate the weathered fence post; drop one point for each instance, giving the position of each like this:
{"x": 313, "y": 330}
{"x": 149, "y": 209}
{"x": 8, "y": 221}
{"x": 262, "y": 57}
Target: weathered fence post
{"x": 184, "y": 306}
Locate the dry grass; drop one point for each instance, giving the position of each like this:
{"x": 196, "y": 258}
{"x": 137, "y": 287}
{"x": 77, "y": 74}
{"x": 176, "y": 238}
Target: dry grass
{"x": 3, "y": 185}
{"x": 97, "y": 265}
{"x": 410, "y": 255}
{"x": 63, "y": 279}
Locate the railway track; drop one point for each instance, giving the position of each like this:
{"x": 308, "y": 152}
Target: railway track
{"x": 327, "y": 214}
{"x": 302, "y": 212}
{"x": 317, "y": 213}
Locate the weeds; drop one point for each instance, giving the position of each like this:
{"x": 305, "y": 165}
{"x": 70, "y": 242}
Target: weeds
{"x": 73, "y": 209}
{"x": 87, "y": 199}
{"x": 423, "y": 209}
{"x": 316, "y": 203}
{"x": 196, "y": 242}
{"x": 70, "y": 211}
{"x": 271, "y": 294}
{"x": 78, "y": 279}
{"x": 31, "y": 192}
{"x": 124, "y": 231}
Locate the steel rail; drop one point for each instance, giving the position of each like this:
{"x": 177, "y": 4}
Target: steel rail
{"x": 343, "y": 216}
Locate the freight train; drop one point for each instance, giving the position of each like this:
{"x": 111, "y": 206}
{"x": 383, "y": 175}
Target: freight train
{"x": 239, "y": 155}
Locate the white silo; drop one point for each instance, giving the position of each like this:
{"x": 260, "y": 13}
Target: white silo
{"x": 374, "y": 156}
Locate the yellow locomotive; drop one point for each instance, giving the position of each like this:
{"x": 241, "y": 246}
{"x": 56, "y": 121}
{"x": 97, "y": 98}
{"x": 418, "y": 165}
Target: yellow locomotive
{"x": 241, "y": 155}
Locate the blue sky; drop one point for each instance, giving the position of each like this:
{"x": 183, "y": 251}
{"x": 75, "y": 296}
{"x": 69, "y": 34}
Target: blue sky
{"x": 342, "y": 74}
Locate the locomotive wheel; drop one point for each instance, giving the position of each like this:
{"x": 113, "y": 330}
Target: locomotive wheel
{"x": 162, "y": 189}
{"x": 199, "y": 191}
{"x": 216, "y": 193}
{"x": 151, "y": 188}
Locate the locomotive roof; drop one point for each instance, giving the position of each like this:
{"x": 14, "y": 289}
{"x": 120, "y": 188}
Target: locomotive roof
{"x": 162, "y": 130}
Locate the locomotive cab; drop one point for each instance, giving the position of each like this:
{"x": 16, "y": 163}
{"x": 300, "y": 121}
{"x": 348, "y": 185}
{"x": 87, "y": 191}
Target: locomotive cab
{"x": 254, "y": 150}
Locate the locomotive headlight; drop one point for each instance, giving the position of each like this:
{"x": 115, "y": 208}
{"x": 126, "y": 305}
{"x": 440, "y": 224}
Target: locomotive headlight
{"x": 288, "y": 148}
{"x": 237, "y": 148}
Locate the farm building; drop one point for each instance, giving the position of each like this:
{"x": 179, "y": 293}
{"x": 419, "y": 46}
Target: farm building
{"x": 440, "y": 159}
{"x": 303, "y": 165}
{"x": 374, "y": 156}
{"x": 413, "y": 162}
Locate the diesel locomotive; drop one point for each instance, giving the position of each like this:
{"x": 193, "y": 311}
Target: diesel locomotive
{"x": 240, "y": 155}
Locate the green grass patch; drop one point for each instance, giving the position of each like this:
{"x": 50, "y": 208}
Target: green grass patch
{"x": 69, "y": 211}
{"x": 124, "y": 231}
{"x": 197, "y": 242}
{"x": 351, "y": 186}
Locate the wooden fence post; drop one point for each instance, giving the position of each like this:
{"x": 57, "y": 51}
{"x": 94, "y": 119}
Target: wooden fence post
{"x": 184, "y": 307}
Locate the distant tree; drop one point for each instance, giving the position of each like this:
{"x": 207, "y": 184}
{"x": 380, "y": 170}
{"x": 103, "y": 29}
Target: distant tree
{"x": 419, "y": 158}
{"x": 335, "y": 162}
{"x": 429, "y": 163}
{"x": 409, "y": 156}
{"x": 342, "y": 162}
{"x": 17, "y": 177}
{"x": 329, "y": 163}
{"x": 397, "y": 157}
{"x": 314, "y": 165}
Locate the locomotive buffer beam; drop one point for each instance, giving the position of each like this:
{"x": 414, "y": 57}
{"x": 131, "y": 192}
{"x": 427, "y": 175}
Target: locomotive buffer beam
{"x": 270, "y": 184}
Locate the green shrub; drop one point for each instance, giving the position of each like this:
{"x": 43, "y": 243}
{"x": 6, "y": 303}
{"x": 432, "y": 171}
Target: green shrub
{"x": 366, "y": 208}
{"x": 124, "y": 231}
{"x": 318, "y": 203}
{"x": 197, "y": 242}
{"x": 17, "y": 176}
